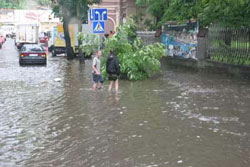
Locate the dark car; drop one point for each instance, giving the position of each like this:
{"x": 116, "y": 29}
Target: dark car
{"x": 32, "y": 54}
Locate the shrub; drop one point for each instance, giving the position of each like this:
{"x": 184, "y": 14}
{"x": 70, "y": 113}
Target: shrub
{"x": 89, "y": 43}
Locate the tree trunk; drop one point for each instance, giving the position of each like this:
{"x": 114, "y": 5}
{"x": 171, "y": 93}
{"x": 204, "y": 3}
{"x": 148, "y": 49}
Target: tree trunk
{"x": 158, "y": 28}
{"x": 69, "y": 49}
{"x": 78, "y": 16}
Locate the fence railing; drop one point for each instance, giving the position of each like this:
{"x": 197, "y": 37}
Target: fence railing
{"x": 229, "y": 45}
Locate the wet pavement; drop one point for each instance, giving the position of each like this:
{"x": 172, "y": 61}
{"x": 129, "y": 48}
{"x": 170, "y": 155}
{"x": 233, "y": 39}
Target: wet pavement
{"x": 180, "y": 119}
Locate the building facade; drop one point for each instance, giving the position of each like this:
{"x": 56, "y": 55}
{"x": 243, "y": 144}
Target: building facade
{"x": 118, "y": 12}
{"x": 113, "y": 7}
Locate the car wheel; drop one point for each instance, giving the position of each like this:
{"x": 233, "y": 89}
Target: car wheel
{"x": 20, "y": 62}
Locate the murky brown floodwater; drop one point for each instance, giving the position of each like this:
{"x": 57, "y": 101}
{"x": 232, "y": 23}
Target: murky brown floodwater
{"x": 181, "y": 119}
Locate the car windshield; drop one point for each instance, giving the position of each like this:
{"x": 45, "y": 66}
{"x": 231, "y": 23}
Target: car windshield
{"x": 32, "y": 49}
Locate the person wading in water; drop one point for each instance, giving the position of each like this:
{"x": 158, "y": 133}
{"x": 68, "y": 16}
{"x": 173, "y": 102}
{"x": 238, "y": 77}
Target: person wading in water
{"x": 113, "y": 70}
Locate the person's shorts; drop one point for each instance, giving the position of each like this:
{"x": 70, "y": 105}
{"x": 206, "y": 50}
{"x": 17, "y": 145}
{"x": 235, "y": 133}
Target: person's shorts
{"x": 113, "y": 77}
{"x": 97, "y": 78}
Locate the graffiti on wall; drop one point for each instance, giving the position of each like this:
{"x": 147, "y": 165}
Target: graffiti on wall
{"x": 181, "y": 39}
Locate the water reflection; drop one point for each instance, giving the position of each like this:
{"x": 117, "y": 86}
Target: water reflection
{"x": 114, "y": 99}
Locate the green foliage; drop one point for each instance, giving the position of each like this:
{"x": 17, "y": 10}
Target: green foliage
{"x": 155, "y": 8}
{"x": 89, "y": 43}
{"x": 150, "y": 25}
{"x": 12, "y": 4}
{"x": 181, "y": 10}
{"x": 231, "y": 13}
{"x": 72, "y": 8}
{"x": 143, "y": 23}
{"x": 137, "y": 62}
{"x": 227, "y": 12}
{"x": 231, "y": 59}
{"x": 44, "y": 2}
{"x": 172, "y": 10}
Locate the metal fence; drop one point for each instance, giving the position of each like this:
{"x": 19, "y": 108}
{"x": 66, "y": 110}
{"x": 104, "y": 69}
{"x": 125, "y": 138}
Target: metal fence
{"x": 229, "y": 45}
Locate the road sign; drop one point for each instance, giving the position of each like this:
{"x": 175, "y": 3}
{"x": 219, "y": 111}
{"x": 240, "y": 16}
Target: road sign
{"x": 98, "y": 14}
{"x": 98, "y": 27}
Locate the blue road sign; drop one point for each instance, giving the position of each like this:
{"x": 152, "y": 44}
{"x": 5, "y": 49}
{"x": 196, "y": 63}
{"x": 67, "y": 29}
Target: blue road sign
{"x": 98, "y": 27}
{"x": 98, "y": 14}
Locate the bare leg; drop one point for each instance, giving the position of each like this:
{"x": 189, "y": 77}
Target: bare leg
{"x": 99, "y": 85}
{"x": 110, "y": 85}
{"x": 94, "y": 86}
{"x": 116, "y": 85}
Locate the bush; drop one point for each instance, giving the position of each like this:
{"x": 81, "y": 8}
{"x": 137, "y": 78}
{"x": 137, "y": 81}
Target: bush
{"x": 89, "y": 43}
{"x": 43, "y": 2}
{"x": 137, "y": 62}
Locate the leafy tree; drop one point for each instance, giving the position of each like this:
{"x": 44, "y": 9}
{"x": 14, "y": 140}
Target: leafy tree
{"x": 156, "y": 8}
{"x": 182, "y": 10}
{"x": 11, "y": 4}
{"x": 227, "y": 13}
{"x": 172, "y": 10}
{"x": 233, "y": 13}
{"x": 89, "y": 43}
{"x": 137, "y": 62}
{"x": 67, "y": 9}
{"x": 44, "y": 2}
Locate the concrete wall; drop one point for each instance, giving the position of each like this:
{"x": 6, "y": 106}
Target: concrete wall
{"x": 129, "y": 9}
{"x": 208, "y": 66}
{"x": 148, "y": 37}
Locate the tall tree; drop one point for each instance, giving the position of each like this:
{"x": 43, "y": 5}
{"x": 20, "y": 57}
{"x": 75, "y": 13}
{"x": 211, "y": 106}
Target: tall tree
{"x": 67, "y": 9}
{"x": 181, "y": 10}
{"x": 232, "y": 13}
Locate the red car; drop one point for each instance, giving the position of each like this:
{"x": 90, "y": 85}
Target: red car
{"x": 44, "y": 40}
{"x": 2, "y": 40}
{"x": 32, "y": 54}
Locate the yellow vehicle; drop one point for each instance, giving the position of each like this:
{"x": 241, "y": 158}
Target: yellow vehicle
{"x": 57, "y": 43}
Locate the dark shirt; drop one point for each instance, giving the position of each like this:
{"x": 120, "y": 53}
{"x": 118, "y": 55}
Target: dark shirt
{"x": 113, "y": 65}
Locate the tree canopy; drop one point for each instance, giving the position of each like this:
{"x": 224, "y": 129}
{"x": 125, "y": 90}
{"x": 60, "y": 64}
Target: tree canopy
{"x": 227, "y": 12}
{"x": 44, "y": 2}
{"x": 231, "y": 13}
{"x": 155, "y": 8}
{"x": 72, "y": 8}
{"x": 11, "y": 4}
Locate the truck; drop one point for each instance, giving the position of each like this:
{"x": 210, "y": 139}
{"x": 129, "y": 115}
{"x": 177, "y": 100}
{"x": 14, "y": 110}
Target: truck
{"x": 57, "y": 43}
{"x": 8, "y": 30}
{"x": 26, "y": 34}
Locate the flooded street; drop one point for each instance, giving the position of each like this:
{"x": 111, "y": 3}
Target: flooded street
{"x": 180, "y": 119}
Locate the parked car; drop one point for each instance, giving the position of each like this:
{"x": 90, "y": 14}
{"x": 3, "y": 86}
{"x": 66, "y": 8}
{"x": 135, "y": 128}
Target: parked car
{"x": 44, "y": 40}
{"x": 2, "y": 40}
{"x": 32, "y": 54}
